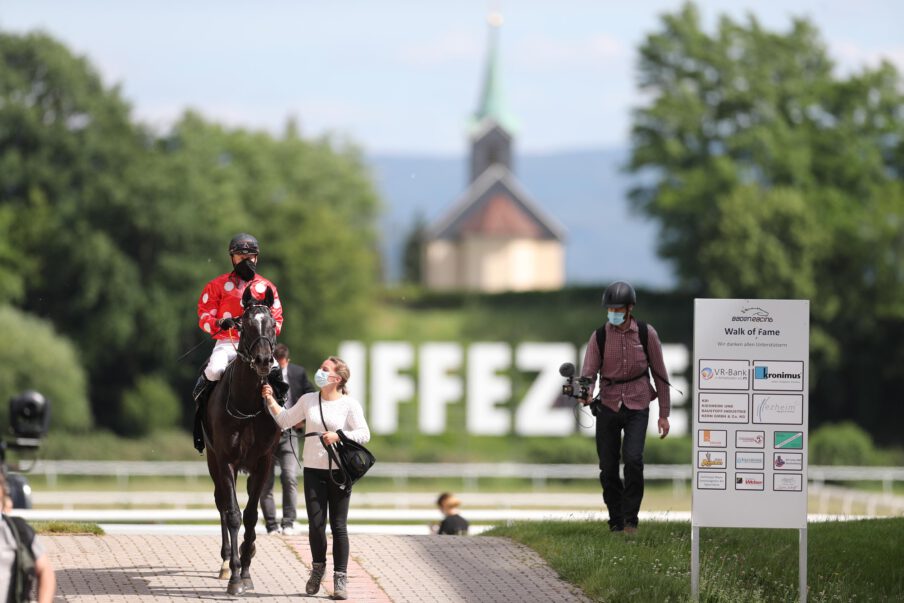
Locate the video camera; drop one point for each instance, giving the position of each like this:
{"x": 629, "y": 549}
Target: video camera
{"x": 29, "y": 419}
{"x": 576, "y": 388}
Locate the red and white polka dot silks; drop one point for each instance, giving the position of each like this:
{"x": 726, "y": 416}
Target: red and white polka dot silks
{"x": 222, "y": 298}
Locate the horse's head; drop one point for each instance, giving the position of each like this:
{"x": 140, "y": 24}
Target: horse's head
{"x": 258, "y": 332}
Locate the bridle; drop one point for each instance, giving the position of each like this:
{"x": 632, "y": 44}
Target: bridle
{"x": 244, "y": 353}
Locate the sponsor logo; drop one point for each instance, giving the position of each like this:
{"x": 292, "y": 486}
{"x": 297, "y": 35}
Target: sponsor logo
{"x": 753, "y": 314}
{"x": 788, "y": 439}
{"x": 712, "y": 460}
{"x": 707, "y": 373}
{"x": 749, "y": 481}
{"x": 762, "y": 372}
{"x": 787, "y": 482}
{"x": 782, "y": 409}
{"x": 713, "y": 438}
{"x": 749, "y": 460}
{"x": 787, "y": 461}
{"x": 750, "y": 439}
{"x": 710, "y": 481}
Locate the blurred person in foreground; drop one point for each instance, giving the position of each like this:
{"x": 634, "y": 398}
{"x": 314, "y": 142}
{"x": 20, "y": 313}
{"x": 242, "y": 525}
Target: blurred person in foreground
{"x": 453, "y": 524}
{"x": 219, "y": 309}
{"x": 23, "y": 562}
{"x": 325, "y": 413}
{"x": 630, "y": 351}
{"x": 297, "y": 378}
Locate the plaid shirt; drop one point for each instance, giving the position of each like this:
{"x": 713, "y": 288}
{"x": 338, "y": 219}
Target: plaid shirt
{"x": 624, "y": 359}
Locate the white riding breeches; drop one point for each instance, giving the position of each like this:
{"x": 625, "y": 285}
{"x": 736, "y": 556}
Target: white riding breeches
{"x": 223, "y": 353}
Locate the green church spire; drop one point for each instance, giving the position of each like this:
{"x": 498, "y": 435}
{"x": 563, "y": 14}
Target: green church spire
{"x": 491, "y": 100}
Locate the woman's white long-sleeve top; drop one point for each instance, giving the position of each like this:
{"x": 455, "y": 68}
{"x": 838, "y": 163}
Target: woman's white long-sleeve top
{"x": 345, "y": 414}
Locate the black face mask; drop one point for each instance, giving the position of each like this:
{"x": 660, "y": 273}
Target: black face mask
{"x": 246, "y": 269}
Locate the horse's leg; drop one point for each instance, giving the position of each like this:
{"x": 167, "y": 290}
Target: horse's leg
{"x": 220, "y": 499}
{"x": 256, "y": 480}
{"x": 233, "y": 516}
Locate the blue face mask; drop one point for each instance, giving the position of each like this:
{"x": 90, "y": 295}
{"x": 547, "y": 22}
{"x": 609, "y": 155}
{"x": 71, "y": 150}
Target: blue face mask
{"x": 321, "y": 378}
{"x": 617, "y": 318}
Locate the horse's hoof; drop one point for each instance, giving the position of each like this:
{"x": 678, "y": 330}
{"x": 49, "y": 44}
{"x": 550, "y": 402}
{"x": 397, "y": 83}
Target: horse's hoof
{"x": 235, "y": 588}
{"x": 225, "y": 572}
{"x": 249, "y": 585}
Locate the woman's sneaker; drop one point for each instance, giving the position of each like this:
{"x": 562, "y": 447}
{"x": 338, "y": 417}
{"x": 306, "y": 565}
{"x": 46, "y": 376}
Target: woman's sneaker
{"x": 340, "y": 585}
{"x": 317, "y": 571}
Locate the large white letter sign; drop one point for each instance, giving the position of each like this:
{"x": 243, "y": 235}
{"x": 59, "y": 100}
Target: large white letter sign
{"x": 486, "y": 388}
{"x": 354, "y": 354}
{"x": 436, "y": 387}
{"x": 387, "y": 386}
{"x": 536, "y": 414}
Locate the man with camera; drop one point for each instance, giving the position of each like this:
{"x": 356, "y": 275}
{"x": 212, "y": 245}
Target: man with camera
{"x": 623, "y": 352}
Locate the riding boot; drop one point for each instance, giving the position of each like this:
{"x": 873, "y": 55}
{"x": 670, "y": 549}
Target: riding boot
{"x": 280, "y": 387}
{"x": 200, "y": 393}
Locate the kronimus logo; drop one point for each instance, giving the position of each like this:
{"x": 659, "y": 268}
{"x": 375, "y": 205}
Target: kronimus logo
{"x": 753, "y": 314}
{"x": 762, "y": 372}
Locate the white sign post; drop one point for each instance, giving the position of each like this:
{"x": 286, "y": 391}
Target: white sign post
{"x": 751, "y": 360}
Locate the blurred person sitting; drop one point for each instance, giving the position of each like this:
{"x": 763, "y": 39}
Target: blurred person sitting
{"x": 453, "y": 524}
{"x": 24, "y": 564}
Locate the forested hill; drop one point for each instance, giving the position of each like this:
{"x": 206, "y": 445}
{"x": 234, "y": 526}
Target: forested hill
{"x": 586, "y": 191}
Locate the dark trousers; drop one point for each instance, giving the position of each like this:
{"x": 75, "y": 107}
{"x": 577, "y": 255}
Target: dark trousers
{"x": 622, "y": 498}
{"x": 288, "y": 477}
{"x": 320, "y": 496}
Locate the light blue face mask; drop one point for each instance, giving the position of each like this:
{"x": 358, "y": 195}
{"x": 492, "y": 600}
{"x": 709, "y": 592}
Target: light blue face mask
{"x": 616, "y": 318}
{"x": 321, "y": 378}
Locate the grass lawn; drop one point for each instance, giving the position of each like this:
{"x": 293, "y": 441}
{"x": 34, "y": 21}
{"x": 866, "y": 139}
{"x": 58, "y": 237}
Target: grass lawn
{"x": 847, "y": 561}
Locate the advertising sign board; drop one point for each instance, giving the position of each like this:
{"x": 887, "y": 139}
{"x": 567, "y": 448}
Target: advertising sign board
{"x": 751, "y": 359}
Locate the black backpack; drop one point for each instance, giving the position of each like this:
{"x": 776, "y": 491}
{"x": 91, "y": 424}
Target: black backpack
{"x": 23, "y": 578}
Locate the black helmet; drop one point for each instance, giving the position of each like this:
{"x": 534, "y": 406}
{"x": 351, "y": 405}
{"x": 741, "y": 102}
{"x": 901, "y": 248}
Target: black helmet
{"x": 618, "y": 295}
{"x": 243, "y": 243}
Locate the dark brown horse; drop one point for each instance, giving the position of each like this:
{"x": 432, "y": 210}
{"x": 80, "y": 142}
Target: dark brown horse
{"x": 241, "y": 435}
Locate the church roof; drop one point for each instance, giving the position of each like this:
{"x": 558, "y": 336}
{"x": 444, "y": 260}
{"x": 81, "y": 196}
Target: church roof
{"x": 496, "y": 205}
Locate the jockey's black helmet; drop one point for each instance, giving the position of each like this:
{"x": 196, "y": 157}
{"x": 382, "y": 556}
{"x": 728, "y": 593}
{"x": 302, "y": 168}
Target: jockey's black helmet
{"x": 619, "y": 294}
{"x": 244, "y": 243}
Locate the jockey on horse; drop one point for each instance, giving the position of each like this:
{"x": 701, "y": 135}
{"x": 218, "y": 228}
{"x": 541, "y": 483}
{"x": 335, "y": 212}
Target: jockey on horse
{"x": 219, "y": 306}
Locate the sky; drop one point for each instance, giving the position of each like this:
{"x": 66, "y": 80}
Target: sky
{"x": 404, "y": 76}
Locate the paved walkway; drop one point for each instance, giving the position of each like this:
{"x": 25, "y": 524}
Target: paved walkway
{"x": 135, "y": 567}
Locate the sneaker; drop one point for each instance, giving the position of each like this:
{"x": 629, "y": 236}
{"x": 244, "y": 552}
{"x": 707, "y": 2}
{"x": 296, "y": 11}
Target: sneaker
{"x": 340, "y": 585}
{"x": 273, "y": 531}
{"x": 289, "y": 530}
{"x": 317, "y": 571}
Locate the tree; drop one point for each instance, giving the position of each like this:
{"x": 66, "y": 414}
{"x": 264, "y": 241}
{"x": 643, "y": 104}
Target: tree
{"x": 773, "y": 177}
{"x": 413, "y": 251}
{"x": 111, "y": 230}
{"x": 42, "y": 360}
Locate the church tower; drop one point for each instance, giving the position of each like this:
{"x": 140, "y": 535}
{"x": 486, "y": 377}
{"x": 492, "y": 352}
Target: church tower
{"x": 491, "y": 126}
{"x": 495, "y": 237}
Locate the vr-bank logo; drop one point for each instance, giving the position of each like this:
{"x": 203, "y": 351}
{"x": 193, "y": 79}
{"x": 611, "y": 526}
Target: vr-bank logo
{"x": 752, "y": 314}
{"x": 707, "y": 373}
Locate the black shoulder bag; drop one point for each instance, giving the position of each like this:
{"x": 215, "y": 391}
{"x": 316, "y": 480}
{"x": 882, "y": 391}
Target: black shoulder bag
{"x": 352, "y": 459}
{"x": 23, "y": 576}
